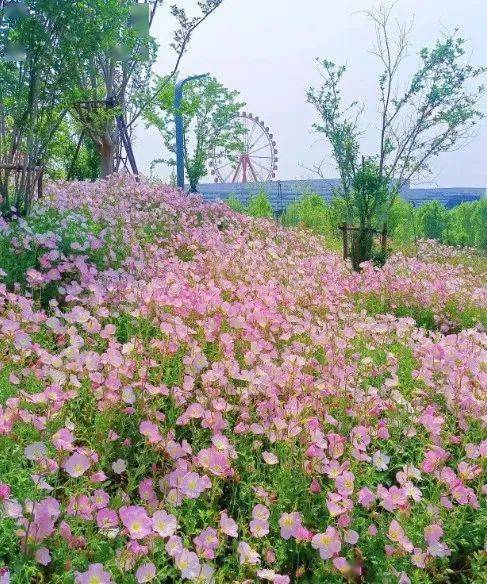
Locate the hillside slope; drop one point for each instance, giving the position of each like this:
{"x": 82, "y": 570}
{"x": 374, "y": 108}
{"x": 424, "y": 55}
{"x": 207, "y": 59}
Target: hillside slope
{"x": 187, "y": 393}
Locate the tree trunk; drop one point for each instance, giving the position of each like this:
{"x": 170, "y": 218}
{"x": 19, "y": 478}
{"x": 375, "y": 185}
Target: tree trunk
{"x": 107, "y": 155}
{"x": 362, "y": 247}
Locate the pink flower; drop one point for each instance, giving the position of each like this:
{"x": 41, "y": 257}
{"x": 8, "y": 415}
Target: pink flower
{"x": 189, "y": 564}
{"x": 145, "y": 573}
{"x": 206, "y": 543}
{"x": 247, "y": 554}
{"x": 434, "y": 459}
{"x": 192, "y": 485}
{"x": 397, "y": 535}
{"x": 164, "y": 523}
{"x": 35, "y": 451}
{"x": 151, "y": 431}
{"x": 392, "y": 498}
{"x": 136, "y": 520}
{"x": 360, "y": 437}
{"x": 380, "y": 460}
{"x": 351, "y": 537}
{"x": 345, "y": 483}
{"x": 260, "y": 512}
{"x": 290, "y": 523}
{"x": 366, "y": 497}
{"x": 174, "y": 546}
{"x": 63, "y": 439}
{"x": 94, "y": 575}
{"x": 342, "y": 565}
{"x": 4, "y": 491}
{"x": 270, "y": 458}
{"x": 432, "y": 535}
{"x": 43, "y": 556}
{"x": 76, "y": 465}
{"x": 100, "y": 499}
{"x": 328, "y": 543}
{"x": 418, "y": 558}
{"x": 228, "y": 525}
{"x": 119, "y": 466}
{"x": 259, "y": 528}
{"x": 107, "y": 518}
{"x": 372, "y": 530}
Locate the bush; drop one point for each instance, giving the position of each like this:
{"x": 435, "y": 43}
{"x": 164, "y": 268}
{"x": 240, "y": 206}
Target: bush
{"x": 402, "y": 222}
{"x": 310, "y": 211}
{"x": 433, "y": 220}
{"x": 260, "y": 205}
{"x": 479, "y": 223}
{"x": 235, "y": 204}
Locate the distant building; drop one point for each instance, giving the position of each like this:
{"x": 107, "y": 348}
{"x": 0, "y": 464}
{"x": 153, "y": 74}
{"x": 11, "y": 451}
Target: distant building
{"x": 282, "y": 193}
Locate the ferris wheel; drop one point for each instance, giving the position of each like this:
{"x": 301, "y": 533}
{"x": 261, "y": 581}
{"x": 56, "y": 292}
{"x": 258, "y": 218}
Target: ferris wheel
{"x": 255, "y": 160}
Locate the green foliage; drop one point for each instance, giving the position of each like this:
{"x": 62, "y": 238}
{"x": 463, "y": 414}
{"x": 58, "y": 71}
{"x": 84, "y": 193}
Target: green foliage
{"x": 401, "y": 222}
{"x": 311, "y": 211}
{"x": 37, "y": 93}
{"x": 433, "y": 115}
{"x": 260, "y": 205}
{"x": 209, "y": 111}
{"x": 234, "y": 203}
{"x": 432, "y": 220}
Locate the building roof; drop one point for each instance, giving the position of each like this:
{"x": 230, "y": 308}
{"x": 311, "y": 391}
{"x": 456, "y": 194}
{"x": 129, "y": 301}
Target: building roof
{"x": 282, "y": 193}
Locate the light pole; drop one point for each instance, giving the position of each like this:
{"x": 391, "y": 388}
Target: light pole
{"x": 178, "y": 119}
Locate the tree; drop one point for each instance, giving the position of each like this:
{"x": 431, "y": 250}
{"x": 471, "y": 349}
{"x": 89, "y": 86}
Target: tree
{"x": 122, "y": 76}
{"x": 433, "y": 115}
{"x": 74, "y": 51}
{"x": 209, "y": 111}
{"x": 36, "y": 88}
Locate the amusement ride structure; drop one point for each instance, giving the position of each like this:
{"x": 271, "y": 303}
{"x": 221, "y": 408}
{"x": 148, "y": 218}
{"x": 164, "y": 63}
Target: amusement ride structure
{"x": 256, "y": 160}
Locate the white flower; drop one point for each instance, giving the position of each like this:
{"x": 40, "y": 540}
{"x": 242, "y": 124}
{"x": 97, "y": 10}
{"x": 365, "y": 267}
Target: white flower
{"x": 380, "y": 460}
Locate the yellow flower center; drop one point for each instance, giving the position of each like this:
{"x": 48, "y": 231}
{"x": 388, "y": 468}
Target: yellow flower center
{"x": 325, "y": 539}
{"x": 288, "y": 521}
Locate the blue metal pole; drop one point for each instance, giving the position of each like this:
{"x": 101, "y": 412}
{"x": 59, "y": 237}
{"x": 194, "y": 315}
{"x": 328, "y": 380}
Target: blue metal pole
{"x": 178, "y": 119}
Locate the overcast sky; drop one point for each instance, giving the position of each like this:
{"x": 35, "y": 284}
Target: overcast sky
{"x": 265, "y": 49}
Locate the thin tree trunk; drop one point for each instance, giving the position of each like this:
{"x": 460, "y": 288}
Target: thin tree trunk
{"x": 107, "y": 152}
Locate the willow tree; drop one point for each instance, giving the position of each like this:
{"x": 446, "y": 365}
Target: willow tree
{"x": 434, "y": 114}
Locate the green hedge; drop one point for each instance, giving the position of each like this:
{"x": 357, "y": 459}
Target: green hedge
{"x": 464, "y": 225}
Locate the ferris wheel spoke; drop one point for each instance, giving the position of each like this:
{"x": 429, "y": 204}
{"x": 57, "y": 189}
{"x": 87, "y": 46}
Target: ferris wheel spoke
{"x": 254, "y": 160}
{"x": 246, "y": 143}
{"x": 262, "y": 135}
{"x": 223, "y": 166}
{"x": 252, "y": 170}
{"x": 251, "y": 134}
{"x": 252, "y": 152}
{"x": 265, "y": 168}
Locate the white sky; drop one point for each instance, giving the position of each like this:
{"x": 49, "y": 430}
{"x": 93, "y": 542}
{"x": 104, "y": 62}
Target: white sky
{"x": 265, "y": 50}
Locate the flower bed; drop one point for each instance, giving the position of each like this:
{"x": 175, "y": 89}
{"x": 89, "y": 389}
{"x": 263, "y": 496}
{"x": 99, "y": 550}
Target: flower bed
{"x": 206, "y": 398}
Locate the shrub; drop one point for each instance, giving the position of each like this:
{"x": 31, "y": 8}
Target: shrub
{"x": 235, "y": 204}
{"x": 433, "y": 220}
{"x": 260, "y": 205}
{"x": 401, "y": 222}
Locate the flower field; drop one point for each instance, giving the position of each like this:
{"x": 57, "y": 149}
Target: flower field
{"x": 188, "y": 394}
